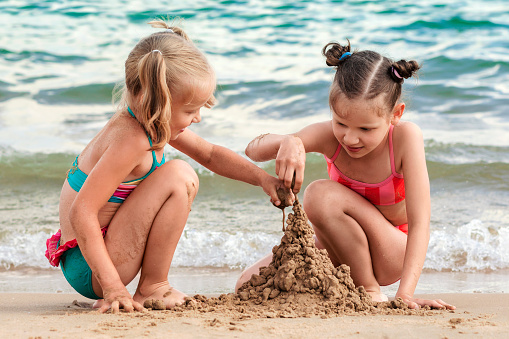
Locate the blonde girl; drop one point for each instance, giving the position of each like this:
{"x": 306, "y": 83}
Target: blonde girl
{"x": 123, "y": 206}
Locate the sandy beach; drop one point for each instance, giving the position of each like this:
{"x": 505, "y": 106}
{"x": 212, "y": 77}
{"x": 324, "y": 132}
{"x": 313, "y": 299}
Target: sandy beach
{"x": 27, "y": 315}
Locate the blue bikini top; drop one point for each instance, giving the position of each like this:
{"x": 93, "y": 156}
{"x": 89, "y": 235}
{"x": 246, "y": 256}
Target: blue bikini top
{"x": 76, "y": 177}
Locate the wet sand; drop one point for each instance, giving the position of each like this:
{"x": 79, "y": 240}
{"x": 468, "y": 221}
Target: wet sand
{"x": 25, "y": 315}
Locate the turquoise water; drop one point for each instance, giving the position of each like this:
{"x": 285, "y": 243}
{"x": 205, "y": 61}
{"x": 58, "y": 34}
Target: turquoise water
{"x": 59, "y": 61}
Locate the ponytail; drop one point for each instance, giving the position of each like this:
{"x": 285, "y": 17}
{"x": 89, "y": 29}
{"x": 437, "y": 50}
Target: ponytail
{"x": 155, "y": 108}
{"x": 163, "y": 67}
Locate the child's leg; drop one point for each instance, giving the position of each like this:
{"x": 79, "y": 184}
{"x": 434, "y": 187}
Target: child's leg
{"x": 253, "y": 269}
{"x": 355, "y": 233}
{"x": 147, "y": 227}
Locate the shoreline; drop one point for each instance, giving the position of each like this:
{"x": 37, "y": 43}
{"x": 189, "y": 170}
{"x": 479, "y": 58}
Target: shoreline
{"x": 60, "y": 315}
{"x": 213, "y": 280}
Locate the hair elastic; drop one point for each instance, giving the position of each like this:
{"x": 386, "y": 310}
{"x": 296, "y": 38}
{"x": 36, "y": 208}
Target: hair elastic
{"x": 345, "y": 55}
{"x": 396, "y": 73}
{"x": 169, "y": 30}
{"x": 156, "y": 50}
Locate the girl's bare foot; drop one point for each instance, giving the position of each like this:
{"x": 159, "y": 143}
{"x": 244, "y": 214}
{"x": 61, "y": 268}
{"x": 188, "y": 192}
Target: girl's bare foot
{"x": 98, "y": 303}
{"x": 377, "y": 296}
{"x": 163, "y": 291}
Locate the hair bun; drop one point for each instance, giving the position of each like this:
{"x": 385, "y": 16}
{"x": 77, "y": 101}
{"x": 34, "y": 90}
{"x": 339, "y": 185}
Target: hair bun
{"x": 159, "y": 23}
{"x": 335, "y": 53}
{"x": 403, "y": 70}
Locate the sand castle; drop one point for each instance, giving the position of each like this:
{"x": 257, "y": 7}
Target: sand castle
{"x": 300, "y": 281}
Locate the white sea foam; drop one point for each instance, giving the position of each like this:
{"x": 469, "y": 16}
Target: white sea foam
{"x": 469, "y": 248}
{"x": 472, "y": 247}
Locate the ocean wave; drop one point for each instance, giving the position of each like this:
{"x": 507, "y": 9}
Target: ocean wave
{"x": 23, "y": 168}
{"x": 485, "y": 175}
{"x": 461, "y": 153}
{"x": 41, "y": 57}
{"x": 86, "y": 95}
{"x": 454, "y": 23}
{"x": 472, "y": 247}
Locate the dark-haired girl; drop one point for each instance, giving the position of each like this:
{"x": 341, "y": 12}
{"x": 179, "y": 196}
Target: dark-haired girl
{"x": 373, "y": 213}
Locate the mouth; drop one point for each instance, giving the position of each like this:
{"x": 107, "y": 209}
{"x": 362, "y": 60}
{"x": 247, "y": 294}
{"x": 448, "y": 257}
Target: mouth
{"x": 353, "y": 149}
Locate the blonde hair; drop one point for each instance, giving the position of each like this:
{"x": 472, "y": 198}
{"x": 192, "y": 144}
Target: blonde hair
{"x": 160, "y": 65}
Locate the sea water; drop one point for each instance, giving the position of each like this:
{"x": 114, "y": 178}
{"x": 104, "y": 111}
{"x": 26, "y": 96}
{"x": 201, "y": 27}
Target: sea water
{"x": 59, "y": 61}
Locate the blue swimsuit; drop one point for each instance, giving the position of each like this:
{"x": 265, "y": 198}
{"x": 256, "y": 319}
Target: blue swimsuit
{"x": 74, "y": 266}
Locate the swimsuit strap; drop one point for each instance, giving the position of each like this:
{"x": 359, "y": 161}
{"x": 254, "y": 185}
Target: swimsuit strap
{"x": 134, "y": 116}
{"x": 391, "y": 153}
{"x": 155, "y": 162}
{"x": 336, "y": 154}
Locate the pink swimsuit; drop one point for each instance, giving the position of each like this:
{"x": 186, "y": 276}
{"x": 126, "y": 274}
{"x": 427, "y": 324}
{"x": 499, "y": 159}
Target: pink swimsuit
{"x": 388, "y": 192}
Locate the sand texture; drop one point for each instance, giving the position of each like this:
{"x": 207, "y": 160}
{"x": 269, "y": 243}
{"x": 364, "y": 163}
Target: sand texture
{"x": 299, "y": 295}
{"x": 300, "y": 281}
{"x": 70, "y": 316}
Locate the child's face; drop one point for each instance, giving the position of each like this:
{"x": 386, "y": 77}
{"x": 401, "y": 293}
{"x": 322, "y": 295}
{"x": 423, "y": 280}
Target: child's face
{"x": 358, "y": 126}
{"x": 185, "y": 111}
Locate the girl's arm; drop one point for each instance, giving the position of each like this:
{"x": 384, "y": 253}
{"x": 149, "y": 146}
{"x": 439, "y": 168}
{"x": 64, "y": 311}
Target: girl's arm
{"x": 290, "y": 150}
{"x": 225, "y": 162}
{"x": 114, "y": 165}
{"x": 417, "y": 191}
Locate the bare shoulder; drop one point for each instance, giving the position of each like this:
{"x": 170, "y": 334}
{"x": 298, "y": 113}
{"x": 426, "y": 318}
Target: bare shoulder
{"x": 406, "y": 132}
{"x": 319, "y": 137}
{"x": 408, "y": 144}
{"x": 121, "y": 136}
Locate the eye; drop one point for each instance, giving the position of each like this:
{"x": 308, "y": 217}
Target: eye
{"x": 341, "y": 124}
{"x": 366, "y": 129}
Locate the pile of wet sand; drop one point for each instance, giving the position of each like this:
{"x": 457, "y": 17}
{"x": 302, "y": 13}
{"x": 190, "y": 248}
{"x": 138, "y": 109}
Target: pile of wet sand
{"x": 301, "y": 281}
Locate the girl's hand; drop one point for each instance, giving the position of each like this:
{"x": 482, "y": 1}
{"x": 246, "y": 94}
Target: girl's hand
{"x": 270, "y": 186}
{"x": 416, "y": 303}
{"x": 116, "y": 298}
{"x": 290, "y": 161}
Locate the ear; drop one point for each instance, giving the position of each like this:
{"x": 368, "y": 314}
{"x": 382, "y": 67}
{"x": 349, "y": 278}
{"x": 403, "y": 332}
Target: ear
{"x": 397, "y": 112}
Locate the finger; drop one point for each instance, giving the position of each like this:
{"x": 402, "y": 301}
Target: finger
{"x": 430, "y": 303}
{"x": 278, "y": 167}
{"x": 299, "y": 178}
{"x": 115, "y": 307}
{"x": 288, "y": 178}
{"x": 412, "y": 305}
{"x": 281, "y": 173}
{"x": 128, "y": 306}
{"x": 293, "y": 197}
{"x": 274, "y": 199}
{"x": 139, "y": 307}
{"x": 443, "y": 304}
{"x": 104, "y": 308}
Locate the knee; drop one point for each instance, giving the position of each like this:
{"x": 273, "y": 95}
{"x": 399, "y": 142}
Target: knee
{"x": 315, "y": 200}
{"x": 182, "y": 178}
{"x": 245, "y": 276}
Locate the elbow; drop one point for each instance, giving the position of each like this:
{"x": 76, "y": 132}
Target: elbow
{"x": 75, "y": 214}
{"x": 254, "y": 150}
{"x": 249, "y": 151}
{"x": 78, "y": 215}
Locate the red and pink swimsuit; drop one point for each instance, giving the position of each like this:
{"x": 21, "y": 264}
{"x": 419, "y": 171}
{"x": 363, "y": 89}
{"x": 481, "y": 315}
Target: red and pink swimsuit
{"x": 388, "y": 192}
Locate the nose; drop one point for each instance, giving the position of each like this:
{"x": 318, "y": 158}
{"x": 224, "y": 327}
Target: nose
{"x": 197, "y": 118}
{"x": 350, "y": 138}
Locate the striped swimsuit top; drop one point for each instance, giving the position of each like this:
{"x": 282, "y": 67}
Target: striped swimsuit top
{"x": 76, "y": 177}
{"x": 388, "y": 192}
